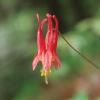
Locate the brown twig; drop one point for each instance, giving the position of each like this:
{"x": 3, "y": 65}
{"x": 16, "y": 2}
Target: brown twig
{"x": 77, "y": 51}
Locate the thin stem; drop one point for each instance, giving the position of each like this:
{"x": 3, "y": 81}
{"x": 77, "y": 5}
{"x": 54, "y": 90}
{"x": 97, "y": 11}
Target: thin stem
{"x": 77, "y": 51}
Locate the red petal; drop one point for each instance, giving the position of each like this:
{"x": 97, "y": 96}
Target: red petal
{"x": 40, "y": 37}
{"x": 49, "y": 35}
{"x": 56, "y": 60}
{"x": 52, "y": 33}
{"x": 35, "y": 61}
{"x": 55, "y": 32}
{"x": 56, "y": 22}
{"x": 48, "y": 59}
{"x": 43, "y": 22}
{"x": 49, "y": 17}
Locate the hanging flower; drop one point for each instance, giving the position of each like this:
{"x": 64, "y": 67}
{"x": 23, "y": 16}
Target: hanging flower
{"x": 47, "y": 46}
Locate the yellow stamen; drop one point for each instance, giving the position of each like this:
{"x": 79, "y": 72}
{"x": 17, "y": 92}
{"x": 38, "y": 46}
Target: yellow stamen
{"x": 45, "y": 73}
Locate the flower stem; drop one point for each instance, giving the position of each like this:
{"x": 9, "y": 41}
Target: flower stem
{"x": 77, "y": 51}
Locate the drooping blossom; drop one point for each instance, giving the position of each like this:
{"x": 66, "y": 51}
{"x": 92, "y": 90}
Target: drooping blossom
{"x": 47, "y": 45}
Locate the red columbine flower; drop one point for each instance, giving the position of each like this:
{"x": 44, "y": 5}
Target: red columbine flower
{"x": 47, "y": 46}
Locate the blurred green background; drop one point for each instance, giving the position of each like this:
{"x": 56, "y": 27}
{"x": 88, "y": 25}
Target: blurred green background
{"x": 79, "y": 22}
